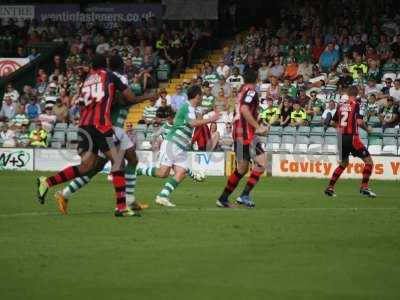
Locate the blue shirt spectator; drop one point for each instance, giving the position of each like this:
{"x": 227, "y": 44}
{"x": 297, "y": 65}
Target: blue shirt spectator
{"x": 328, "y": 59}
{"x": 178, "y": 99}
{"x": 33, "y": 109}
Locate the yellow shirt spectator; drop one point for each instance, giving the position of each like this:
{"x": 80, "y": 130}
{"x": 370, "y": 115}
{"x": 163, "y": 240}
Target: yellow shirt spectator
{"x": 38, "y": 136}
{"x": 298, "y": 116}
{"x": 270, "y": 115}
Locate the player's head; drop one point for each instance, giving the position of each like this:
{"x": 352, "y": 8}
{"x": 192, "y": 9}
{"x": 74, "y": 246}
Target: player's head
{"x": 352, "y": 91}
{"x": 250, "y": 77}
{"x": 99, "y": 62}
{"x": 194, "y": 94}
{"x": 116, "y": 63}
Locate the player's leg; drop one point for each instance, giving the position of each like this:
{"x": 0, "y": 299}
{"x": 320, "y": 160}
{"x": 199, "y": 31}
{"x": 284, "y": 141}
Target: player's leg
{"x": 260, "y": 163}
{"x": 330, "y": 190}
{"x": 367, "y": 171}
{"x": 154, "y": 172}
{"x": 171, "y": 156}
{"x": 62, "y": 197}
{"x": 359, "y": 150}
{"x": 67, "y": 174}
{"x": 108, "y": 145}
{"x": 344, "y": 147}
{"x": 130, "y": 179}
{"x": 242, "y": 166}
{"x": 162, "y": 197}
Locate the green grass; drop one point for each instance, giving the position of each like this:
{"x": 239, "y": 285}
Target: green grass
{"x": 296, "y": 244}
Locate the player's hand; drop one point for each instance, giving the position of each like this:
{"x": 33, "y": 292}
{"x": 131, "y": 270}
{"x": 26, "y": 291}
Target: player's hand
{"x": 215, "y": 117}
{"x": 262, "y": 130}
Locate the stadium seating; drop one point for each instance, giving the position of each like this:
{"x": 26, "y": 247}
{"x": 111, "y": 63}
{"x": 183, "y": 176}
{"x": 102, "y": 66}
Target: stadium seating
{"x": 389, "y": 145}
{"x": 273, "y": 143}
{"x": 302, "y": 144}
{"x": 304, "y": 130}
{"x": 375, "y": 145}
{"x": 316, "y": 142}
{"x": 330, "y": 144}
{"x": 317, "y": 131}
{"x": 287, "y": 144}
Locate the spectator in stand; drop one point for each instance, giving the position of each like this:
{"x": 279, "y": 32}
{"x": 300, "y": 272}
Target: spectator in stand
{"x": 270, "y": 115}
{"x": 276, "y": 68}
{"x": 215, "y": 137}
{"x": 386, "y": 88}
{"x": 7, "y": 136}
{"x": 60, "y": 110}
{"x": 315, "y": 106}
{"x": 20, "y": 118}
{"x": 178, "y": 99}
{"x": 226, "y": 140}
{"x": 232, "y": 101}
{"x": 221, "y": 84}
{"x": 358, "y": 65}
{"x": 38, "y": 136}
{"x": 389, "y": 114}
{"x": 329, "y": 59}
{"x": 235, "y": 80}
{"x": 222, "y": 70}
{"x": 372, "y": 109}
{"x": 221, "y": 102}
{"x": 394, "y": 91}
{"x": 103, "y": 47}
{"x": 32, "y": 109}
{"x": 176, "y": 56}
{"x": 48, "y": 118}
{"x": 285, "y": 112}
{"x": 208, "y": 100}
{"x": 8, "y": 109}
{"x": 150, "y": 113}
{"x": 12, "y": 93}
{"x": 163, "y": 96}
{"x": 291, "y": 69}
{"x": 298, "y": 117}
{"x": 146, "y": 73}
{"x": 74, "y": 112}
{"x": 163, "y": 111}
{"x": 328, "y": 114}
{"x": 263, "y": 71}
{"x": 237, "y": 63}
{"x": 22, "y": 136}
{"x": 317, "y": 49}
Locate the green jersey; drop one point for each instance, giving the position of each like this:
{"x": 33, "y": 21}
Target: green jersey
{"x": 119, "y": 112}
{"x": 181, "y": 132}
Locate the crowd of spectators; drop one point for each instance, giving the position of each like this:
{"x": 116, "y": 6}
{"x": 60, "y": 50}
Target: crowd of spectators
{"x": 150, "y": 50}
{"x": 304, "y": 63}
{"x": 305, "y": 60}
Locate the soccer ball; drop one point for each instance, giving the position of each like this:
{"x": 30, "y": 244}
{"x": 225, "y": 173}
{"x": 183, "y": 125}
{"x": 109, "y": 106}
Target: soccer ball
{"x": 198, "y": 176}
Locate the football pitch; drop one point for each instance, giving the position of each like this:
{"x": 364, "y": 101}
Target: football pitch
{"x": 296, "y": 243}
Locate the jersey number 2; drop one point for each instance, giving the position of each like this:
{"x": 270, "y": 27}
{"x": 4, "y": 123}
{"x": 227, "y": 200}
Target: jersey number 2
{"x": 343, "y": 119}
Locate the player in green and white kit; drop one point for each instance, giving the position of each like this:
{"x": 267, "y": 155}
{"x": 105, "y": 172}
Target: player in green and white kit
{"x": 173, "y": 151}
{"x": 119, "y": 112}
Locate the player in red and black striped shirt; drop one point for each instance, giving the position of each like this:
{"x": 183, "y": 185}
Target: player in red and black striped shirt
{"x": 347, "y": 119}
{"x": 96, "y": 133}
{"x": 247, "y": 146}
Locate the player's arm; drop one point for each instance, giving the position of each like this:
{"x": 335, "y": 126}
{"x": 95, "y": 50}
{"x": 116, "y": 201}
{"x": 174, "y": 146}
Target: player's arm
{"x": 200, "y": 122}
{"x": 245, "y": 111}
{"x": 361, "y": 124}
